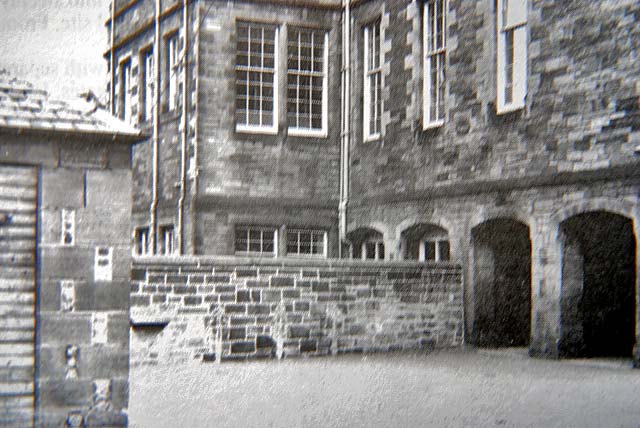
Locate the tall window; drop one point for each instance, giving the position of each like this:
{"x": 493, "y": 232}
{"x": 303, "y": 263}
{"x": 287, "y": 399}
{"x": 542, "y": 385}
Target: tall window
{"x": 301, "y": 242}
{"x": 146, "y": 85}
{"x": 256, "y": 78}
{"x": 372, "y": 109}
{"x": 173, "y": 71}
{"x": 434, "y": 43}
{"x": 124, "y": 107}
{"x": 307, "y": 52}
{"x": 511, "y": 70}
{"x": 253, "y": 240}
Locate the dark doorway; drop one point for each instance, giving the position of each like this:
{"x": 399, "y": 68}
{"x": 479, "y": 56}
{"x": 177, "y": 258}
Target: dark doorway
{"x": 598, "y": 285}
{"x": 502, "y": 284}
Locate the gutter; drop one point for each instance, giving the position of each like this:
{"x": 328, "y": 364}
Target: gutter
{"x": 345, "y": 125}
{"x": 112, "y": 35}
{"x": 196, "y": 135}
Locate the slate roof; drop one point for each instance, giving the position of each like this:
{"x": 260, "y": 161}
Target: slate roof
{"x": 23, "y": 107}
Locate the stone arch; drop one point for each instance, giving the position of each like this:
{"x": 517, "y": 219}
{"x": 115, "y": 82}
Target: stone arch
{"x": 614, "y": 206}
{"x": 366, "y": 243}
{"x": 425, "y": 242}
{"x": 482, "y": 216}
{"x": 439, "y": 221}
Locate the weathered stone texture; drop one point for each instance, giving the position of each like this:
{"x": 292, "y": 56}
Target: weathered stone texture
{"x": 259, "y": 308}
{"x": 582, "y": 110}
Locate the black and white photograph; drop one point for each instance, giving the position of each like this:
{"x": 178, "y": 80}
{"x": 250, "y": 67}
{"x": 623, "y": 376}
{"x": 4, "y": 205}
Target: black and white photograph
{"x": 319, "y": 213}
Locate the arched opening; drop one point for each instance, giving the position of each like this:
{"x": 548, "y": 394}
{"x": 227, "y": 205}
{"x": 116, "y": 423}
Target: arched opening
{"x": 501, "y": 284}
{"x": 426, "y": 242}
{"x": 598, "y": 285}
{"x": 366, "y": 244}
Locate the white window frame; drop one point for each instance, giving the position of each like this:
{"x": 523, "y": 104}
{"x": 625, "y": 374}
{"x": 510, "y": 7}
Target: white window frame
{"x": 438, "y": 242}
{"x": 431, "y": 52}
{"x": 124, "y": 90}
{"x": 511, "y": 21}
{"x": 141, "y": 241}
{"x": 368, "y": 75}
{"x": 67, "y": 225}
{"x": 261, "y": 128}
{"x": 173, "y": 70}
{"x": 147, "y": 85}
{"x": 312, "y": 232}
{"x": 167, "y": 239}
{"x": 309, "y": 131}
{"x": 261, "y": 229}
{"x": 379, "y": 245}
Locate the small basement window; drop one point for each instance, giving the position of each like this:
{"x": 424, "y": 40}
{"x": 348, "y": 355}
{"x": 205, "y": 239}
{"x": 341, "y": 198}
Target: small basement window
{"x": 434, "y": 250}
{"x": 167, "y": 246}
{"x": 254, "y": 240}
{"x": 301, "y": 242}
{"x": 141, "y": 241}
{"x": 373, "y": 249}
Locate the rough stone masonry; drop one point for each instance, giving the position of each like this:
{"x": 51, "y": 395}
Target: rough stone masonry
{"x": 230, "y": 308}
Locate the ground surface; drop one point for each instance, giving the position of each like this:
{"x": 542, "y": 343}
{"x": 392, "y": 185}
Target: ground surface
{"x": 439, "y": 389}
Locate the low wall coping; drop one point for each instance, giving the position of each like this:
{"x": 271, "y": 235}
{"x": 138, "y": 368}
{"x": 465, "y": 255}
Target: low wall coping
{"x": 146, "y": 261}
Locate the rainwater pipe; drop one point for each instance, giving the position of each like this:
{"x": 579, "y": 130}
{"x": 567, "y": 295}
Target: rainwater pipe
{"x": 156, "y": 125}
{"x": 345, "y": 125}
{"x": 194, "y": 163}
{"x": 185, "y": 127}
{"x": 112, "y": 36}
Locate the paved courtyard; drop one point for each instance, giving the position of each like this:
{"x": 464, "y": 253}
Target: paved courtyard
{"x": 439, "y": 389}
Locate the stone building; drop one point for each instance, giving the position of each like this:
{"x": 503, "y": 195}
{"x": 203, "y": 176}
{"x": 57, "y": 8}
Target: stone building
{"x": 65, "y": 256}
{"x": 499, "y": 134}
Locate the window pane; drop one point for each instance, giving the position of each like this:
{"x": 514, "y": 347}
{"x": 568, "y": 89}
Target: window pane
{"x": 443, "y": 250}
{"x": 508, "y": 67}
{"x": 430, "y": 251}
{"x": 370, "y": 250}
{"x": 255, "y": 66}
{"x": 305, "y": 52}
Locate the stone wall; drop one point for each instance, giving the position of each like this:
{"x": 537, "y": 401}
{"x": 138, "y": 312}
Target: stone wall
{"x": 581, "y": 112}
{"x": 232, "y": 308}
{"x": 81, "y": 243}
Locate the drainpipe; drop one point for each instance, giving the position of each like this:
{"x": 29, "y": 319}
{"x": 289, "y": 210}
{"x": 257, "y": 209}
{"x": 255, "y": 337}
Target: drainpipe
{"x": 345, "y": 125}
{"x": 153, "y": 208}
{"x": 185, "y": 127}
{"x": 112, "y": 36}
{"x": 196, "y": 134}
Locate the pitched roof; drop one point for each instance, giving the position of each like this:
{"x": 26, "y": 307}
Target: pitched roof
{"x": 23, "y": 107}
